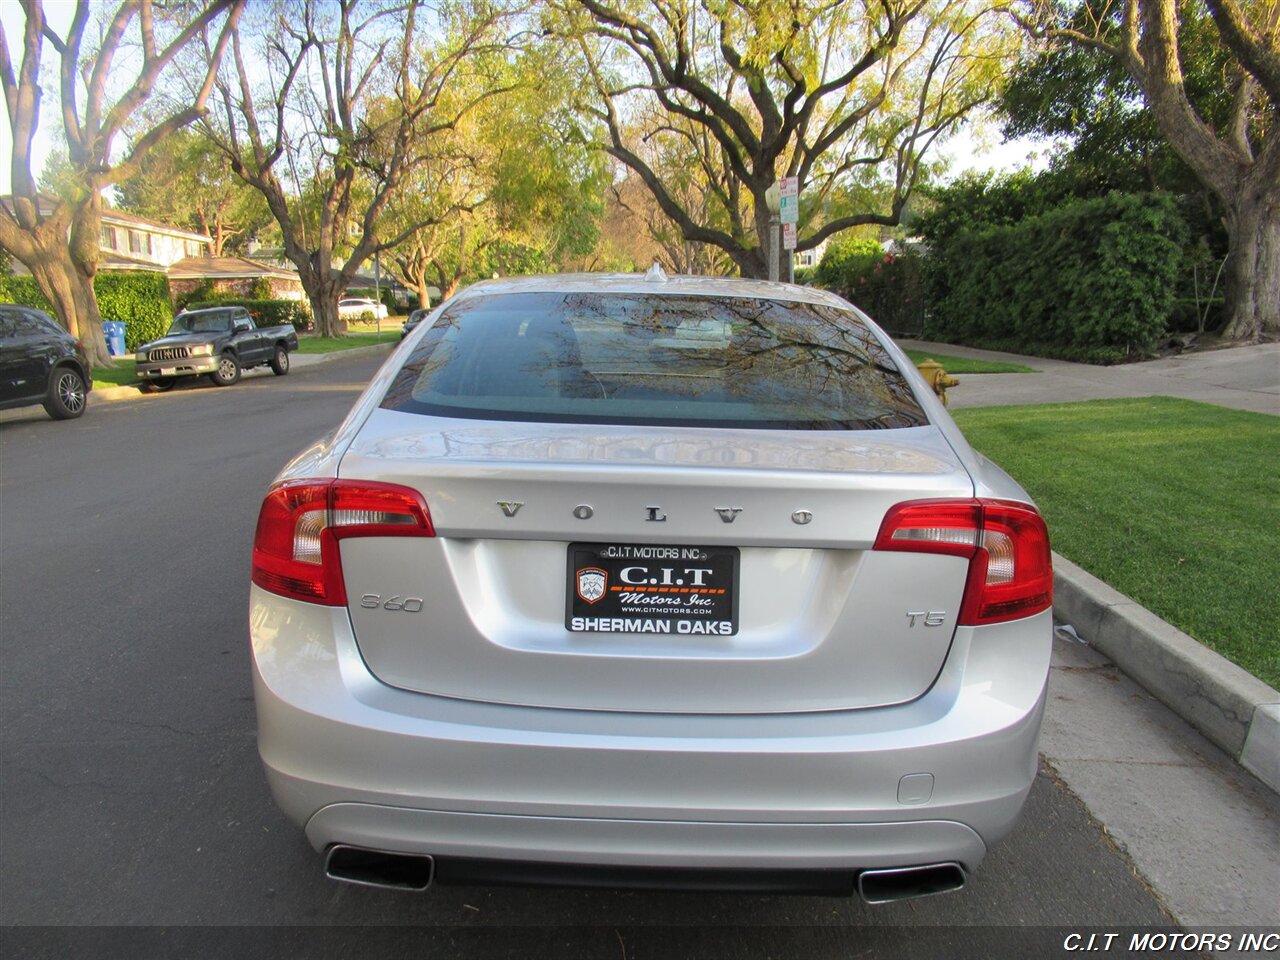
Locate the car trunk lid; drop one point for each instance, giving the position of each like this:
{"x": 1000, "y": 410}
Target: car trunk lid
{"x": 485, "y": 609}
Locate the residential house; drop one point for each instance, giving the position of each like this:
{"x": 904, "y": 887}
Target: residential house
{"x": 239, "y": 276}
{"x": 130, "y": 242}
{"x": 810, "y": 258}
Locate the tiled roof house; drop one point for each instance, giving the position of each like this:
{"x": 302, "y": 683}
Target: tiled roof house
{"x": 130, "y": 242}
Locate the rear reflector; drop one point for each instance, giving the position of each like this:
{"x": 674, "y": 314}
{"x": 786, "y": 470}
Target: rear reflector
{"x": 1007, "y": 544}
{"x": 295, "y": 548}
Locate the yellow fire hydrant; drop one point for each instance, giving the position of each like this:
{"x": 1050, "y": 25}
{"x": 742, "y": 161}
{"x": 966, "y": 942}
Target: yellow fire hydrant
{"x": 937, "y": 378}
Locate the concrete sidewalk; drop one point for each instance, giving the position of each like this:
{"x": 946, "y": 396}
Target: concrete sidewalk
{"x": 1246, "y": 378}
{"x": 1202, "y": 831}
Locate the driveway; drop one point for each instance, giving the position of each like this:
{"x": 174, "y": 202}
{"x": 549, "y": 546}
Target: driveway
{"x": 1246, "y": 378}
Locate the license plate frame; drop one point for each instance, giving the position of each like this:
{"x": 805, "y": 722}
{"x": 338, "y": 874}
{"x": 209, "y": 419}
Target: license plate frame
{"x": 676, "y": 589}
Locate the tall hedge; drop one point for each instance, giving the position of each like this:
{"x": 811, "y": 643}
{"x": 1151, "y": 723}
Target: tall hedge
{"x": 22, "y": 290}
{"x": 265, "y": 313}
{"x": 845, "y": 260}
{"x": 138, "y": 297}
{"x": 888, "y": 285}
{"x": 1092, "y": 279}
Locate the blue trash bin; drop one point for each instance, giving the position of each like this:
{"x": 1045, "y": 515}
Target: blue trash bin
{"x": 114, "y": 330}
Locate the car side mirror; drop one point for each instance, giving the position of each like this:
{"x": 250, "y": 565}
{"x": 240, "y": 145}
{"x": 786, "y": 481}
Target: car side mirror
{"x": 240, "y": 326}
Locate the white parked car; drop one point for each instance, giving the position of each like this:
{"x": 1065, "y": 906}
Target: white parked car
{"x": 650, "y": 580}
{"x": 352, "y": 308}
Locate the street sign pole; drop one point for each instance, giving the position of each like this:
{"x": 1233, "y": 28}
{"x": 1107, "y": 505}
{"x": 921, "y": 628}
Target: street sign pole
{"x": 789, "y": 214}
{"x": 774, "y": 226}
{"x": 377, "y": 291}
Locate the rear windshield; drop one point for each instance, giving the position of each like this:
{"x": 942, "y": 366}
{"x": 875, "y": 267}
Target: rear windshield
{"x": 203, "y": 321}
{"x": 654, "y": 359}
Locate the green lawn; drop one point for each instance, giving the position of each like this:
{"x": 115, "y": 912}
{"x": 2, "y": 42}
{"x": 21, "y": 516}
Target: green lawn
{"x": 966, "y": 364}
{"x": 119, "y": 374}
{"x": 1174, "y": 503}
{"x": 390, "y": 334}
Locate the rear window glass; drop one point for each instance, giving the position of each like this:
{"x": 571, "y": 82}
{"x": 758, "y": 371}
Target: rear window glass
{"x": 204, "y": 321}
{"x": 654, "y": 359}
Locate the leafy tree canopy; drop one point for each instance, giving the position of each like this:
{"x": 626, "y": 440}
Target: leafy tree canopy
{"x": 186, "y": 181}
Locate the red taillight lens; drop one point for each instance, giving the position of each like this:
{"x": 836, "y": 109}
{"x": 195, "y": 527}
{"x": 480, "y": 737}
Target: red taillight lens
{"x": 1010, "y": 568}
{"x": 295, "y": 548}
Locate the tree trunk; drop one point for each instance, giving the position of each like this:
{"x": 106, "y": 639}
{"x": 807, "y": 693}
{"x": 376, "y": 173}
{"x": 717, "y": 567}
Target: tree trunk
{"x": 324, "y": 296}
{"x": 1253, "y": 265}
{"x": 70, "y": 291}
{"x": 416, "y": 275}
{"x": 83, "y": 248}
{"x": 43, "y": 249}
{"x": 754, "y": 261}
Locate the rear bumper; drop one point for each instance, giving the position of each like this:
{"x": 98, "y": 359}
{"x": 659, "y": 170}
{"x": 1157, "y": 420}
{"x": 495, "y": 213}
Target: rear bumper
{"x": 355, "y": 761}
{"x": 682, "y": 844}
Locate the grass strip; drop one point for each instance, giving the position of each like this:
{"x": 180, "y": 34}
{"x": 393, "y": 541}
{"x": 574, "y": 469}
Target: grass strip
{"x": 309, "y": 344}
{"x": 1174, "y": 503}
{"x": 121, "y": 373}
{"x": 967, "y": 364}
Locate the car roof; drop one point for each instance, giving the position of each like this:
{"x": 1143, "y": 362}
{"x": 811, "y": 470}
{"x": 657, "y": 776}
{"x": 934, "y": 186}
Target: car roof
{"x": 648, "y": 283}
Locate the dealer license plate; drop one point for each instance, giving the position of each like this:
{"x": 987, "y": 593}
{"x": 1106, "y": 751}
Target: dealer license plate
{"x": 642, "y": 588}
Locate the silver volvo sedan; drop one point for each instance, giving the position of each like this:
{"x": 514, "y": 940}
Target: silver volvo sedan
{"x": 648, "y": 581}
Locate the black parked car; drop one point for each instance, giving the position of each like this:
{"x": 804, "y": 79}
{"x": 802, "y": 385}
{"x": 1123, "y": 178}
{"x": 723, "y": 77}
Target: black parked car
{"x": 41, "y": 363}
{"x": 414, "y": 319}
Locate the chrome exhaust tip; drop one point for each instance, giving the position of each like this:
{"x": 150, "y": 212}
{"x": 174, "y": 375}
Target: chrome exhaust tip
{"x": 379, "y": 868}
{"x": 907, "y": 883}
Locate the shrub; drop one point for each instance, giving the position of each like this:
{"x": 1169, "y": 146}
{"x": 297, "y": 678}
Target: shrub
{"x": 265, "y": 313}
{"x": 845, "y": 261}
{"x": 201, "y": 292}
{"x": 889, "y": 286}
{"x": 1093, "y": 278}
{"x": 139, "y": 298}
{"x": 23, "y": 290}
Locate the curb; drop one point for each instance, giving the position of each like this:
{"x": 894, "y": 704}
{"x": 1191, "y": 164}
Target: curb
{"x": 1226, "y": 703}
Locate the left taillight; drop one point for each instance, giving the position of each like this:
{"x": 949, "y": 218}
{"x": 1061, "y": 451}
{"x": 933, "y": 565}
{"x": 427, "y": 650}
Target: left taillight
{"x": 295, "y": 546}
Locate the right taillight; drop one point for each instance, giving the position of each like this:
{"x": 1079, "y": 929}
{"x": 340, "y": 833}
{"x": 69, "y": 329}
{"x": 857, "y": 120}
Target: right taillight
{"x": 1010, "y": 567}
{"x": 295, "y": 547}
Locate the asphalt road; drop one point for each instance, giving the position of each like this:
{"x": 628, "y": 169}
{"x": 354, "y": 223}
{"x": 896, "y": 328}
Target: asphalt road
{"x": 130, "y": 790}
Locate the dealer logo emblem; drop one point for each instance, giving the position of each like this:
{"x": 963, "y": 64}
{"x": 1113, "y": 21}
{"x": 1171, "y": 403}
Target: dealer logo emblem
{"x": 592, "y": 582}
